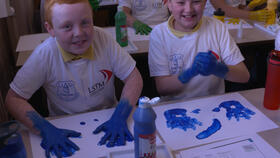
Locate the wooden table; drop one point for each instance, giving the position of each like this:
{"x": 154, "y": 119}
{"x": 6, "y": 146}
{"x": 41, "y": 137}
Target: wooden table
{"x": 255, "y": 96}
{"x": 251, "y": 36}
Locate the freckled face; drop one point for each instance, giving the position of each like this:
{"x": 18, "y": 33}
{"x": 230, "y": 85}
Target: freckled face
{"x": 187, "y": 13}
{"x": 72, "y": 26}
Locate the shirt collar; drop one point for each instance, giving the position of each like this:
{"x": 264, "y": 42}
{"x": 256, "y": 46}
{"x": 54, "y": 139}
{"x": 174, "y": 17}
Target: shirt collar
{"x": 88, "y": 54}
{"x": 177, "y": 33}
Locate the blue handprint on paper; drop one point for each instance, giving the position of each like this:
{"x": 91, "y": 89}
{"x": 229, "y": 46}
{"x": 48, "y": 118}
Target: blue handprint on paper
{"x": 177, "y": 118}
{"x": 235, "y": 109}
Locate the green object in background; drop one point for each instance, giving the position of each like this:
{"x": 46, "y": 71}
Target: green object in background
{"x": 121, "y": 27}
{"x": 141, "y": 28}
{"x": 94, "y": 4}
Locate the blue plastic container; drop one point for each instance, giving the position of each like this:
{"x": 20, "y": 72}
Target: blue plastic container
{"x": 144, "y": 130}
{"x": 11, "y": 144}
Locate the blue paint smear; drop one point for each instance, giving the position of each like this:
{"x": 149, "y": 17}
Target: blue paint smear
{"x": 235, "y": 109}
{"x": 82, "y": 123}
{"x": 216, "y": 125}
{"x": 95, "y": 120}
{"x": 196, "y": 111}
{"x": 64, "y": 154}
{"x": 177, "y": 118}
{"x": 118, "y": 142}
{"x": 217, "y": 109}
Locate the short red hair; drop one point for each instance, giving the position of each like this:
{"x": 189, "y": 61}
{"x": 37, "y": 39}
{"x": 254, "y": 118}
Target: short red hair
{"x": 50, "y": 3}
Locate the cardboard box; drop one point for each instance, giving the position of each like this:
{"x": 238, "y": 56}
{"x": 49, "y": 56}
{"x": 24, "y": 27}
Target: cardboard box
{"x": 27, "y": 44}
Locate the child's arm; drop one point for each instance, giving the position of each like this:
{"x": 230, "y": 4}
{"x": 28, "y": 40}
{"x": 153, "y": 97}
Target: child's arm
{"x": 168, "y": 85}
{"x": 133, "y": 85}
{"x": 18, "y": 108}
{"x": 234, "y": 12}
{"x": 139, "y": 26}
{"x": 238, "y": 73}
{"x": 53, "y": 139}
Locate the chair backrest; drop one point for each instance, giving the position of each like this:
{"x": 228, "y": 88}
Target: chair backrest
{"x": 42, "y": 16}
{"x": 3, "y": 111}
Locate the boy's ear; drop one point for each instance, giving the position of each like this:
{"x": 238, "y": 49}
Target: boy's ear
{"x": 49, "y": 29}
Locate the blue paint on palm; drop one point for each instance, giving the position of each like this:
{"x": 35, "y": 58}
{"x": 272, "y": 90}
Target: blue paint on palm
{"x": 235, "y": 109}
{"x": 95, "y": 120}
{"x": 216, "y": 125}
{"x": 82, "y": 123}
{"x": 196, "y": 111}
{"x": 54, "y": 140}
{"x": 177, "y": 118}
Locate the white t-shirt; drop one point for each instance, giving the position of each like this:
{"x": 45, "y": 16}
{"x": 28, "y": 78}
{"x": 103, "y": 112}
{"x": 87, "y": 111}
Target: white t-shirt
{"x": 150, "y": 12}
{"x": 75, "y": 86}
{"x": 169, "y": 55}
{"x": 209, "y": 9}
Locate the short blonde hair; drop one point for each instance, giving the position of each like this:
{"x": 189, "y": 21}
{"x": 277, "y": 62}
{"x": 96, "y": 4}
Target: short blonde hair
{"x": 50, "y": 3}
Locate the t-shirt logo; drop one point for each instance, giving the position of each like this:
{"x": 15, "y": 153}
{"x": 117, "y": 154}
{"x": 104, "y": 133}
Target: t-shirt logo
{"x": 140, "y": 5}
{"x": 66, "y": 90}
{"x": 175, "y": 63}
{"x": 98, "y": 86}
{"x": 158, "y": 4}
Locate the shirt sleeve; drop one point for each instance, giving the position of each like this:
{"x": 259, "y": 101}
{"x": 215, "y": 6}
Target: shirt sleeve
{"x": 157, "y": 57}
{"x": 31, "y": 76}
{"x": 126, "y": 3}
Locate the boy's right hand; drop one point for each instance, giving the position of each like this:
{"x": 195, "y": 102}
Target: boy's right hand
{"x": 54, "y": 139}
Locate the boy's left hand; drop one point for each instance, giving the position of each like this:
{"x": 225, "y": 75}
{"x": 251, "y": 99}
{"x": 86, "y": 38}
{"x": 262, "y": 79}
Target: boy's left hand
{"x": 207, "y": 64}
{"x": 116, "y": 130}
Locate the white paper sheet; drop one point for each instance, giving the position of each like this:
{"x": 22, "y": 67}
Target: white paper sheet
{"x": 249, "y": 146}
{"x": 177, "y": 138}
{"x": 88, "y": 142}
{"x": 271, "y": 29}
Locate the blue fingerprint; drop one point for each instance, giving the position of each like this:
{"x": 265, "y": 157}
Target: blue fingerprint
{"x": 196, "y": 111}
{"x": 236, "y": 109}
{"x": 217, "y": 109}
{"x": 216, "y": 125}
{"x": 177, "y": 118}
{"x": 65, "y": 154}
{"x": 82, "y": 123}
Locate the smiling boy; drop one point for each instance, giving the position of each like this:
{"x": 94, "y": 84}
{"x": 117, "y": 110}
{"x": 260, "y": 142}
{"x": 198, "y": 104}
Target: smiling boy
{"x": 76, "y": 66}
{"x": 191, "y": 55}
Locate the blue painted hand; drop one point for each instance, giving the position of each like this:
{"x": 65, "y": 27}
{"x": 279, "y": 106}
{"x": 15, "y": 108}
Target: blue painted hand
{"x": 55, "y": 140}
{"x": 207, "y": 64}
{"x": 116, "y": 131}
{"x": 188, "y": 74}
